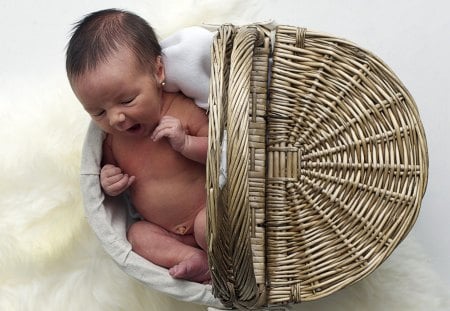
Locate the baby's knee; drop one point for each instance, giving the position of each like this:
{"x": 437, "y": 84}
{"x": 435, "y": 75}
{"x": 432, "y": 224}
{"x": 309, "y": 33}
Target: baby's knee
{"x": 138, "y": 233}
{"x": 200, "y": 229}
{"x": 200, "y": 220}
{"x": 134, "y": 232}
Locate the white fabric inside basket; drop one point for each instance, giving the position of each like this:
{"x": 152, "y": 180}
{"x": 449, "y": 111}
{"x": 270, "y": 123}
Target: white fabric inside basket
{"x": 109, "y": 219}
{"x": 187, "y": 63}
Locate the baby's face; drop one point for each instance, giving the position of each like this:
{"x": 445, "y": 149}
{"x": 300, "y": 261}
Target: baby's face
{"x": 122, "y": 97}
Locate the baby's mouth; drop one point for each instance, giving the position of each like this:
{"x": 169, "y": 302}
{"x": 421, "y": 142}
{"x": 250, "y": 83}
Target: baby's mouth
{"x": 135, "y": 128}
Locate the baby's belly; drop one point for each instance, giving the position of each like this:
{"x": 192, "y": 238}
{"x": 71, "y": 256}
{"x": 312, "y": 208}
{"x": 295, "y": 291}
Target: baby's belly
{"x": 171, "y": 204}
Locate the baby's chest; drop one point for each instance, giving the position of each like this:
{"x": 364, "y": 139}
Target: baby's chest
{"x": 149, "y": 160}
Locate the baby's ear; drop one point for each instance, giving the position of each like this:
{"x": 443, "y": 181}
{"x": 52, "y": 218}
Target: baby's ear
{"x": 160, "y": 75}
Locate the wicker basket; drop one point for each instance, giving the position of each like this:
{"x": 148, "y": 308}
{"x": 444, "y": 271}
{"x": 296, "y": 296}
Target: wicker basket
{"x": 327, "y": 166}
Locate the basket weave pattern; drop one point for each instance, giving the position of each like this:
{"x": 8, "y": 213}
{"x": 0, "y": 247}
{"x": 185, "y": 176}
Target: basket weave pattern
{"x": 321, "y": 189}
{"x": 237, "y": 257}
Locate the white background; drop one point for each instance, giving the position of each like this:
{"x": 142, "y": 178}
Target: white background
{"x": 411, "y": 36}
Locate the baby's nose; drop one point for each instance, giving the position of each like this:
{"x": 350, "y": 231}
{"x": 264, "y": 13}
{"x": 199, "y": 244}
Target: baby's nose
{"x": 116, "y": 119}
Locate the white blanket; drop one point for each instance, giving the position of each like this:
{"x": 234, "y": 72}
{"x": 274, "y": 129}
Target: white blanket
{"x": 187, "y": 62}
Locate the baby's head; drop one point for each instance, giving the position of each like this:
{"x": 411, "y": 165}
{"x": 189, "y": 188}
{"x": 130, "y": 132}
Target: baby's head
{"x": 115, "y": 69}
{"x": 100, "y": 34}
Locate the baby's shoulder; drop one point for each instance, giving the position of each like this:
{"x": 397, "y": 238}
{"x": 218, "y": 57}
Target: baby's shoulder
{"x": 177, "y": 103}
{"x": 178, "y": 99}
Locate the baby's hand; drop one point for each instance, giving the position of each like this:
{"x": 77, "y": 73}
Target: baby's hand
{"x": 171, "y": 128}
{"x": 113, "y": 181}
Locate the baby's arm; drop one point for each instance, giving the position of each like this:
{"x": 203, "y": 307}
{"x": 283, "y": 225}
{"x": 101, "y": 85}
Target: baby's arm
{"x": 188, "y": 144}
{"x": 113, "y": 181}
{"x": 196, "y": 148}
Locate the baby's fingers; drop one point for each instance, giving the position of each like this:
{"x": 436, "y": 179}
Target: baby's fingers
{"x": 167, "y": 127}
{"x": 120, "y": 185}
{"x": 130, "y": 180}
{"x": 110, "y": 170}
{"x": 162, "y": 132}
{"x": 108, "y": 179}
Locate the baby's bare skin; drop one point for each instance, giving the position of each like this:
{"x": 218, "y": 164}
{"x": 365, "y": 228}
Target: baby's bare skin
{"x": 156, "y": 147}
{"x": 168, "y": 190}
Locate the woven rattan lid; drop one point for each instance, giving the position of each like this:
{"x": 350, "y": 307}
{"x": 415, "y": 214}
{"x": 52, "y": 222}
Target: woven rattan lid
{"x": 345, "y": 171}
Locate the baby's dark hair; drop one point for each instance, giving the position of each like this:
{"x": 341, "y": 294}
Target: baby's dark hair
{"x": 99, "y": 34}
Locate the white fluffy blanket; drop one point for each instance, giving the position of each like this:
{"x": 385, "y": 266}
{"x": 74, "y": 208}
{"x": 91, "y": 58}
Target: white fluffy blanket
{"x": 50, "y": 259}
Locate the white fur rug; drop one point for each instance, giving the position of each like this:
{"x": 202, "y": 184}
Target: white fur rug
{"x": 50, "y": 259}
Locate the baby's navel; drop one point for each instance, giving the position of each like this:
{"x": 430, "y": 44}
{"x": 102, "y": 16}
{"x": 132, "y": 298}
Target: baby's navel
{"x": 181, "y": 230}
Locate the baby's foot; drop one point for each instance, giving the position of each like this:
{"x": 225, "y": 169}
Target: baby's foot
{"x": 193, "y": 269}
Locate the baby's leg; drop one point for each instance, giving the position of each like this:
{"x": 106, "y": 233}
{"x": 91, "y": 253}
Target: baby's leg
{"x": 200, "y": 229}
{"x": 168, "y": 250}
{"x": 184, "y": 267}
